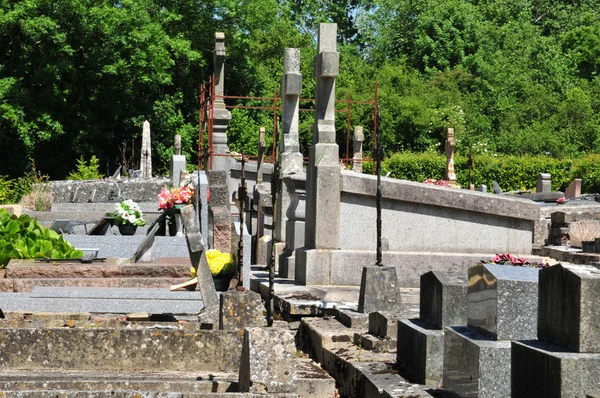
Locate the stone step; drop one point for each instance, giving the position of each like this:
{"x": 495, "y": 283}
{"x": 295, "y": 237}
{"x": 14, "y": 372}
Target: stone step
{"x": 23, "y": 269}
{"x": 125, "y": 246}
{"x": 27, "y": 284}
{"x": 90, "y": 381}
{"x": 23, "y": 302}
{"x": 104, "y": 207}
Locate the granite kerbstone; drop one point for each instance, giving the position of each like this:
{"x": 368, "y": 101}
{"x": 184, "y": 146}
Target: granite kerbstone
{"x": 474, "y": 365}
{"x": 113, "y": 293}
{"x": 240, "y": 309}
{"x": 267, "y": 364}
{"x": 120, "y": 349}
{"x": 125, "y": 246}
{"x": 384, "y": 323}
{"x": 503, "y": 301}
{"x": 32, "y": 269}
{"x": 352, "y": 319}
{"x": 23, "y": 302}
{"x": 376, "y": 379}
{"x": 569, "y": 307}
{"x": 139, "y": 190}
{"x": 539, "y": 369}
{"x": 443, "y": 299}
{"x": 420, "y": 350}
{"x": 27, "y": 285}
{"x": 379, "y": 290}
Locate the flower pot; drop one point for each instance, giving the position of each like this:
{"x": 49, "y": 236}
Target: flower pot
{"x": 127, "y": 229}
{"x": 588, "y": 246}
{"x": 222, "y": 283}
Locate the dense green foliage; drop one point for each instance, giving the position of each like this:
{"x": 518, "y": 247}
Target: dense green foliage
{"x": 78, "y": 78}
{"x": 24, "y": 237}
{"x": 86, "y": 171}
{"x": 513, "y": 173}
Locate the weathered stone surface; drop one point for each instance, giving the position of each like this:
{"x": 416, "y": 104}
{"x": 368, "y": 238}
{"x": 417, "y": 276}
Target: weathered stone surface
{"x": 379, "y": 290}
{"x": 178, "y": 164}
{"x": 352, "y": 319}
{"x": 474, "y": 365}
{"x": 267, "y": 363}
{"x": 384, "y": 323}
{"x": 369, "y": 342}
{"x": 120, "y": 349}
{"x": 443, "y": 299}
{"x": 27, "y": 285}
{"x": 32, "y": 269}
{"x": 312, "y": 380}
{"x": 503, "y": 301}
{"x": 247, "y": 241}
{"x": 317, "y": 334}
{"x": 569, "y": 313}
{"x": 221, "y": 216}
{"x": 109, "y": 191}
{"x": 421, "y": 350}
{"x": 241, "y": 309}
{"x": 539, "y": 369}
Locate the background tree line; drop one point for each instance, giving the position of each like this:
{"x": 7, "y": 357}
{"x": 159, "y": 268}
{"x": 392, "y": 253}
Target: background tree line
{"x": 78, "y": 77}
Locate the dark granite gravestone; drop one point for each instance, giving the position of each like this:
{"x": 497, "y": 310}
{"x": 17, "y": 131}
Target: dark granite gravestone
{"x": 443, "y": 299}
{"x": 569, "y": 310}
{"x": 503, "y": 301}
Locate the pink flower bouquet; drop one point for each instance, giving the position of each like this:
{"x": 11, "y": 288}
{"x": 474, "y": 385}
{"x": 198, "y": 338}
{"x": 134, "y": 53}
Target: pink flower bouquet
{"x": 168, "y": 198}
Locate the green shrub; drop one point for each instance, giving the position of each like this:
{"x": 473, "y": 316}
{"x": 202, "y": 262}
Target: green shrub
{"x": 6, "y": 189}
{"x": 24, "y": 237}
{"x": 513, "y": 173}
{"x": 85, "y": 171}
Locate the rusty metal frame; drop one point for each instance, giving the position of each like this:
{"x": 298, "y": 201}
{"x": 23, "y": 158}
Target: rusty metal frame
{"x": 206, "y": 117}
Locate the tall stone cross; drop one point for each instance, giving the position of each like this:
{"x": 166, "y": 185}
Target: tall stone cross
{"x": 449, "y": 174}
{"x": 324, "y": 172}
{"x": 146, "y": 157}
{"x": 290, "y": 158}
{"x": 221, "y": 116}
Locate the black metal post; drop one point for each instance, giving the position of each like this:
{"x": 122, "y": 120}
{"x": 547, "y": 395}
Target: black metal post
{"x": 242, "y": 196}
{"x": 379, "y": 156}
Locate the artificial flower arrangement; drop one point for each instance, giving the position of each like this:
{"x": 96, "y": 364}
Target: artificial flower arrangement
{"x": 441, "y": 183}
{"x": 218, "y": 262}
{"x": 168, "y": 198}
{"x": 127, "y": 212}
{"x": 509, "y": 259}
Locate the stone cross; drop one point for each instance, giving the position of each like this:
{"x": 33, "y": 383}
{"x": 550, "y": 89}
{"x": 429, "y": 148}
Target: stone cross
{"x": 290, "y": 158}
{"x": 291, "y": 88}
{"x": 358, "y": 144}
{"x": 324, "y": 172}
{"x": 262, "y": 144}
{"x": 449, "y": 174}
{"x": 221, "y": 116}
{"x": 146, "y": 158}
{"x": 177, "y": 145}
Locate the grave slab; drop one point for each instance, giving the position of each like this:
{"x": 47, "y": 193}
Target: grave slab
{"x": 474, "y": 365}
{"x": 503, "y": 301}
{"x": 539, "y": 369}
{"x": 569, "y": 313}
{"x": 267, "y": 364}
{"x": 421, "y": 350}
{"x": 443, "y": 299}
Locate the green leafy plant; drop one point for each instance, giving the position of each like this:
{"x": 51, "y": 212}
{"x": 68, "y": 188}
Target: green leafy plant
{"x": 85, "y": 171}
{"x": 23, "y": 237}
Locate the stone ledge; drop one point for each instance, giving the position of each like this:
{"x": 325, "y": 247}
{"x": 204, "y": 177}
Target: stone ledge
{"x": 408, "y": 191}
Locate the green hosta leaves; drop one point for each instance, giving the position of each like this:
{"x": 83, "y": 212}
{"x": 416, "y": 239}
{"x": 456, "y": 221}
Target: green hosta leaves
{"x": 23, "y": 237}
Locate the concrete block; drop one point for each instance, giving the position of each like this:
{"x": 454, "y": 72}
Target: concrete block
{"x": 379, "y": 290}
{"x": 312, "y": 380}
{"x": 267, "y": 364}
{"x": 474, "y": 365}
{"x": 373, "y": 343}
{"x": 384, "y": 323}
{"x": 539, "y": 369}
{"x": 178, "y": 164}
{"x": 569, "y": 314}
{"x": 352, "y": 319}
{"x": 240, "y": 309}
{"x": 503, "y": 301}
{"x": 246, "y": 261}
{"x": 312, "y": 266}
{"x": 421, "y": 350}
{"x": 443, "y": 299}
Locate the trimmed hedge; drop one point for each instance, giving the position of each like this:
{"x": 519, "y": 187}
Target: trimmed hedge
{"x": 511, "y": 172}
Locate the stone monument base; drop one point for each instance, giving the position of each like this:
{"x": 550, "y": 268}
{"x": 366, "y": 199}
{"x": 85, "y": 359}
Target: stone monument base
{"x": 474, "y": 365}
{"x": 379, "y": 290}
{"x": 544, "y": 370}
{"x": 421, "y": 350}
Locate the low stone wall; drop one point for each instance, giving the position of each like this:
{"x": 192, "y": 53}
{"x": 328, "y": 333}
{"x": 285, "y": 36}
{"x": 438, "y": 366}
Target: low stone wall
{"x": 91, "y": 191}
